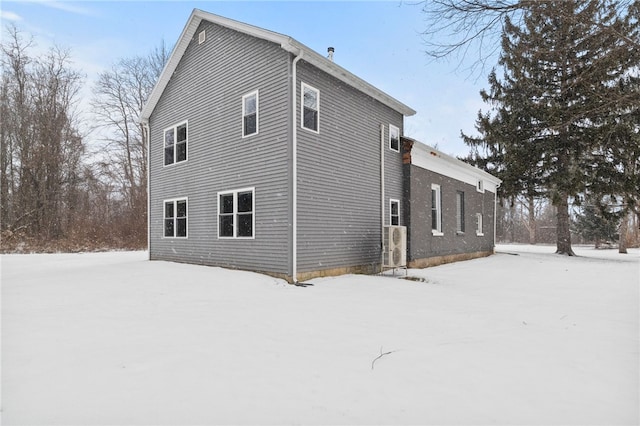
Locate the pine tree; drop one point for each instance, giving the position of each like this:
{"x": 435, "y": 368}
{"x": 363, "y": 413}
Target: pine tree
{"x": 562, "y": 70}
{"x": 597, "y": 224}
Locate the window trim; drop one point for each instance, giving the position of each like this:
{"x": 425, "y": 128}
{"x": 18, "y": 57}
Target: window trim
{"x": 480, "y": 186}
{"x": 175, "y": 132}
{"x": 257, "y": 95}
{"x": 460, "y": 222}
{"x": 391, "y": 201}
{"x": 302, "y": 89}
{"x": 479, "y": 225}
{"x": 175, "y": 209}
{"x": 391, "y": 126}
{"x": 438, "y": 231}
{"x": 235, "y": 193}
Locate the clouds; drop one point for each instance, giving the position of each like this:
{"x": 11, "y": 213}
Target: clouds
{"x": 6, "y": 15}
{"x": 65, "y": 7}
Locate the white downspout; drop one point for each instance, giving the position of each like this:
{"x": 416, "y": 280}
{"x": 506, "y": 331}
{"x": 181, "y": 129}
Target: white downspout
{"x": 294, "y": 166}
{"x": 382, "y": 196}
{"x": 145, "y": 125}
{"x": 495, "y": 215}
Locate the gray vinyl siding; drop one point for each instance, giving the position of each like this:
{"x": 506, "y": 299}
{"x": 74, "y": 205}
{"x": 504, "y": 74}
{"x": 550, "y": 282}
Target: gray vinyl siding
{"x": 421, "y": 243}
{"x": 339, "y": 203}
{"x": 206, "y": 89}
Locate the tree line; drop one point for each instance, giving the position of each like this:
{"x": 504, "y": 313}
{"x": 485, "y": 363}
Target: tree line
{"x": 563, "y": 116}
{"x": 67, "y": 181}
{"x": 562, "y": 123}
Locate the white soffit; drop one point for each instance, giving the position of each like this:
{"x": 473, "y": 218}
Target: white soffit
{"x": 436, "y": 161}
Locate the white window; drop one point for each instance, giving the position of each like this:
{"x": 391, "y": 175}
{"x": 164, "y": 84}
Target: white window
{"x": 394, "y": 138}
{"x": 479, "y": 232}
{"x": 460, "y": 212}
{"x": 310, "y": 108}
{"x": 250, "y": 114}
{"x": 480, "y": 185}
{"x": 394, "y": 212}
{"x": 175, "y": 144}
{"x": 175, "y": 218}
{"x": 202, "y": 37}
{"x": 436, "y": 210}
{"x": 236, "y": 218}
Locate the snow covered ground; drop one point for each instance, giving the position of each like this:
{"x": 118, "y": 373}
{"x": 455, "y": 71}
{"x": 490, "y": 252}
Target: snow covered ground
{"x": 522, "y": 337}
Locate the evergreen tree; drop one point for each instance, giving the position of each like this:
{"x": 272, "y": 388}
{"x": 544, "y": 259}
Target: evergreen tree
{"x": 552, "y": 110}
{"x": 597, "y": 224}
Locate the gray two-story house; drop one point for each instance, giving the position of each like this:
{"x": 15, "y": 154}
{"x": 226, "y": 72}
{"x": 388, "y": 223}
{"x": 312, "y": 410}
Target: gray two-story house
{"x": 267, "y": 156}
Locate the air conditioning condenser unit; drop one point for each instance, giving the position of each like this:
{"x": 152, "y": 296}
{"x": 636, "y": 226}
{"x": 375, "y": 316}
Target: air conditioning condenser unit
{"x": 395, "y": 246}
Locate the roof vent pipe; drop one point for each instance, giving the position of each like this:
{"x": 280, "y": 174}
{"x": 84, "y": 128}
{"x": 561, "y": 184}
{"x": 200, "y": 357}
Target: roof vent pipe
{"x": 330, "y": 55}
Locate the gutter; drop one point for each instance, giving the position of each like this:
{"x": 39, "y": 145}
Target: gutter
{"x": 294, "y": 168}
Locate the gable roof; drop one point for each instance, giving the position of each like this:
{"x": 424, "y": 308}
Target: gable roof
{"x": 287, "y": 43}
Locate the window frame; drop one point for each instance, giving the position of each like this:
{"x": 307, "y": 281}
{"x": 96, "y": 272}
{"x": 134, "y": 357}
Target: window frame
{"x": 480, "y": 186}
{"x": 460, "y": 222}
{"x": 479, "y": 225}
{"x": 397, "y": 129}
{"x": 235, "y": 213}
{"x": 438, "y": 210}
{"x": 244, "y": 114}
{"x": 302, "y": 106}
{"x": 391, "y": 215}
{"x": 175, "y": 217}
{"x": 174, "y": 128}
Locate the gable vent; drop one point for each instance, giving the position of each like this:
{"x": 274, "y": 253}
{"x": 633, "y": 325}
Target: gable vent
{"x": 202, "y": 37}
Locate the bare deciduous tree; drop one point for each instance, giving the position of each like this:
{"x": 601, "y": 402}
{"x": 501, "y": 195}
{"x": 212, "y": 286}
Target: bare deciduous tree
{"x": 119, "y": 96}
{"x": 40, "y": 143}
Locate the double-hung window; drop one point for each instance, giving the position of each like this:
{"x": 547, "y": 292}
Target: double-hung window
{"x": 175, "y": 218}
{"x": 250, "y": 114}
{"x": 436, "y": 210}
{"x": 460, "y": 212}
{"x": 310, "y": 108}
{"x": 479, "y": 232}
{"x": 175, "y": 144}
{"x": 236, "y": 218}
{"x": 394, "y": 138}
{"x": 394, "y": 210}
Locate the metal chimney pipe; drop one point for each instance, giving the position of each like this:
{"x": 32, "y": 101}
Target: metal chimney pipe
{"x": 330, "y": 55}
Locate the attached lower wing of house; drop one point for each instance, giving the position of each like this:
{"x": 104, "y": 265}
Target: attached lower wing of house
{"x": 267, "y": 156}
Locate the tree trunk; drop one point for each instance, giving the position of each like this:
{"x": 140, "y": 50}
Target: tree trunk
{"x": 563, "y": 232}
{"x": 624, "y": 227}
{"x": 532, "y": 221}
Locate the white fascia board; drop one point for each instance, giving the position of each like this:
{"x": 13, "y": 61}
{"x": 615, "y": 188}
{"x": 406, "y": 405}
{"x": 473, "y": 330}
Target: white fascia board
{"x": 436, "y": 161}
{"x": 335, "y": 70}
{"x": 286, "y": 42}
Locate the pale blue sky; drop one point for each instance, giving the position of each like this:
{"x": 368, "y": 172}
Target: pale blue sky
{"x": 377, "y": 41}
